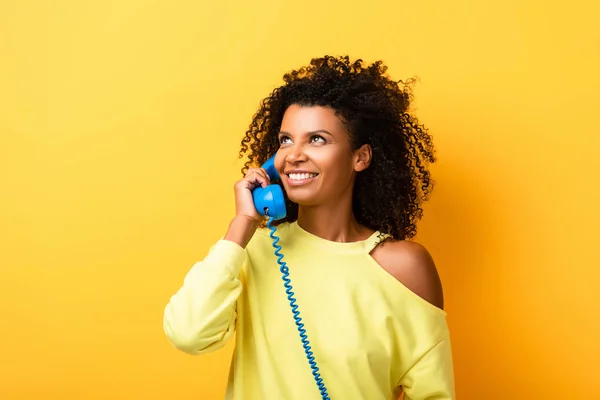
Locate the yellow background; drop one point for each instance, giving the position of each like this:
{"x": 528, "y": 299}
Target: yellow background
{"x": 120, "y": 123}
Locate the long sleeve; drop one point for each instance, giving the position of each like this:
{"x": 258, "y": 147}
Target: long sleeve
{"x": 432, "y": 376}
{"x": 200, "y": 317}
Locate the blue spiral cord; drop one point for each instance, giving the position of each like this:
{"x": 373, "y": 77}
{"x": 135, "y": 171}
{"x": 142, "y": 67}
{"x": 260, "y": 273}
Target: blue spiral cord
{"x": 288, "y": 286}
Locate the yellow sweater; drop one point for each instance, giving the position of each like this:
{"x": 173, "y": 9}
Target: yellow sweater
{"x": 368, "y": 332}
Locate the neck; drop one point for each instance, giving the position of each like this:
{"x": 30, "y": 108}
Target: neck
{"x": 334, "y": 222}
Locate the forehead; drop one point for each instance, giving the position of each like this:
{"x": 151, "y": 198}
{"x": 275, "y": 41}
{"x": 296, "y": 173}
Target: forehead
{"x": 301, "y": 119}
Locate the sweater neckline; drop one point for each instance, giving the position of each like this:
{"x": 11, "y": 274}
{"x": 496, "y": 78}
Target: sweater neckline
{"x": 361, "y": 246}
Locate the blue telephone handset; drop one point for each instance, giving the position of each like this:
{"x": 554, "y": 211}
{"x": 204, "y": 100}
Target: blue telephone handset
{"x": 269, "y": 202}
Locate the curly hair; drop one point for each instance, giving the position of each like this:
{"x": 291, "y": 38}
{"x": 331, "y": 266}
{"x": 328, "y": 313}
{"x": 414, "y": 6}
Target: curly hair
{"x": 375, "y": 110}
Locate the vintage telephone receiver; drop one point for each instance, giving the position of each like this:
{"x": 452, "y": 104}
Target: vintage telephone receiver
{"x": 269, "y": 202}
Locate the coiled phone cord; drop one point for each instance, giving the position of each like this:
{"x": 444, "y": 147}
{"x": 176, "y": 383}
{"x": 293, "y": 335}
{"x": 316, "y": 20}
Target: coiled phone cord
{"x": 289, "y": 290}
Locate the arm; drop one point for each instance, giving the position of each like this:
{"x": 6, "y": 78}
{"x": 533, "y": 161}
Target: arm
{"x": 431, "y": 375}
{"x": 200, "y": 316}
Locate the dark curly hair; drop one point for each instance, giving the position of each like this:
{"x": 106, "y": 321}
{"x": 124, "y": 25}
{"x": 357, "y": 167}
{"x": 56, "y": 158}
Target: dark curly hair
{"x": 374, "y": 110}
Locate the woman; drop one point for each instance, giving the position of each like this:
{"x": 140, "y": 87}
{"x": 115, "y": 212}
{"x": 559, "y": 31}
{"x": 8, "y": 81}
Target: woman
{"x": 353, "y": 164}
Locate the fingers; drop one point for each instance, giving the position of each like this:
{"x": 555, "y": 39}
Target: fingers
{"x": 257, "y": 177}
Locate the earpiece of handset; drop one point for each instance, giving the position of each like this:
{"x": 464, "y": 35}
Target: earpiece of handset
{"x": 269, "y": 201}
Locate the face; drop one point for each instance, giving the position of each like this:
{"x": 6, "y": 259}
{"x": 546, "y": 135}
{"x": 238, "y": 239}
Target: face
{"x": 315, "y": 159}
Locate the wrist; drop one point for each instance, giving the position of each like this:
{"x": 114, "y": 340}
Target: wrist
{"x": 241, "y": 229}
{"x": 246, "y": 219}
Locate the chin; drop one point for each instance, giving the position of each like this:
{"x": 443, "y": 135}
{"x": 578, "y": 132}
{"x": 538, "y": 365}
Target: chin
{"x": 302, "y": 199}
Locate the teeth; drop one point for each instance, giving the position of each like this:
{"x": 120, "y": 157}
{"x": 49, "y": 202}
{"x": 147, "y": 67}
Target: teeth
{"x": 299, "y": 177}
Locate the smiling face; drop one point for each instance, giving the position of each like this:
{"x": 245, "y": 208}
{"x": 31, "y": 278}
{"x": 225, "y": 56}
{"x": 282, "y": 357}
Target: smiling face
{"x": 315, "y": 159}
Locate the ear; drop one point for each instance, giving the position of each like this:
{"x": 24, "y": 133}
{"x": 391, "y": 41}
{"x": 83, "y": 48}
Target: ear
{"x": 362, "y": 157}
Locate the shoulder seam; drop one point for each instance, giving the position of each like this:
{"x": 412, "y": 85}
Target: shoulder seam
{"x": 419, "y": 359}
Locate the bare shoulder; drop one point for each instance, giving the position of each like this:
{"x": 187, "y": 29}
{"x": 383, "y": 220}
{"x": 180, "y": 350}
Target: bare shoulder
{"x": 412, "y": 265}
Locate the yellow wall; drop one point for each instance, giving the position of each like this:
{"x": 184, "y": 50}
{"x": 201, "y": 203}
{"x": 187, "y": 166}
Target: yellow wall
{"x": 120, "y": 123}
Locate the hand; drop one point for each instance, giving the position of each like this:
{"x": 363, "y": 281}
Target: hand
{"x": 244, "y": 203}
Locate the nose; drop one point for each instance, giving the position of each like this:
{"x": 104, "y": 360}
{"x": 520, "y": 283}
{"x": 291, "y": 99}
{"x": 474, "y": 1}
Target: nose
{"x": 295, "y": 155}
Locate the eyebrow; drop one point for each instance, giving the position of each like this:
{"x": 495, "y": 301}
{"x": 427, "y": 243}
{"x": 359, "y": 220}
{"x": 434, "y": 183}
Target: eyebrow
{"x": 307, "y": 133}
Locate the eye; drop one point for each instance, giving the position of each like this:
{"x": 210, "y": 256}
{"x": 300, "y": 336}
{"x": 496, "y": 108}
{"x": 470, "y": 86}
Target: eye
{"x": 284, "y": 139}
{"x": 317, "y": 138}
